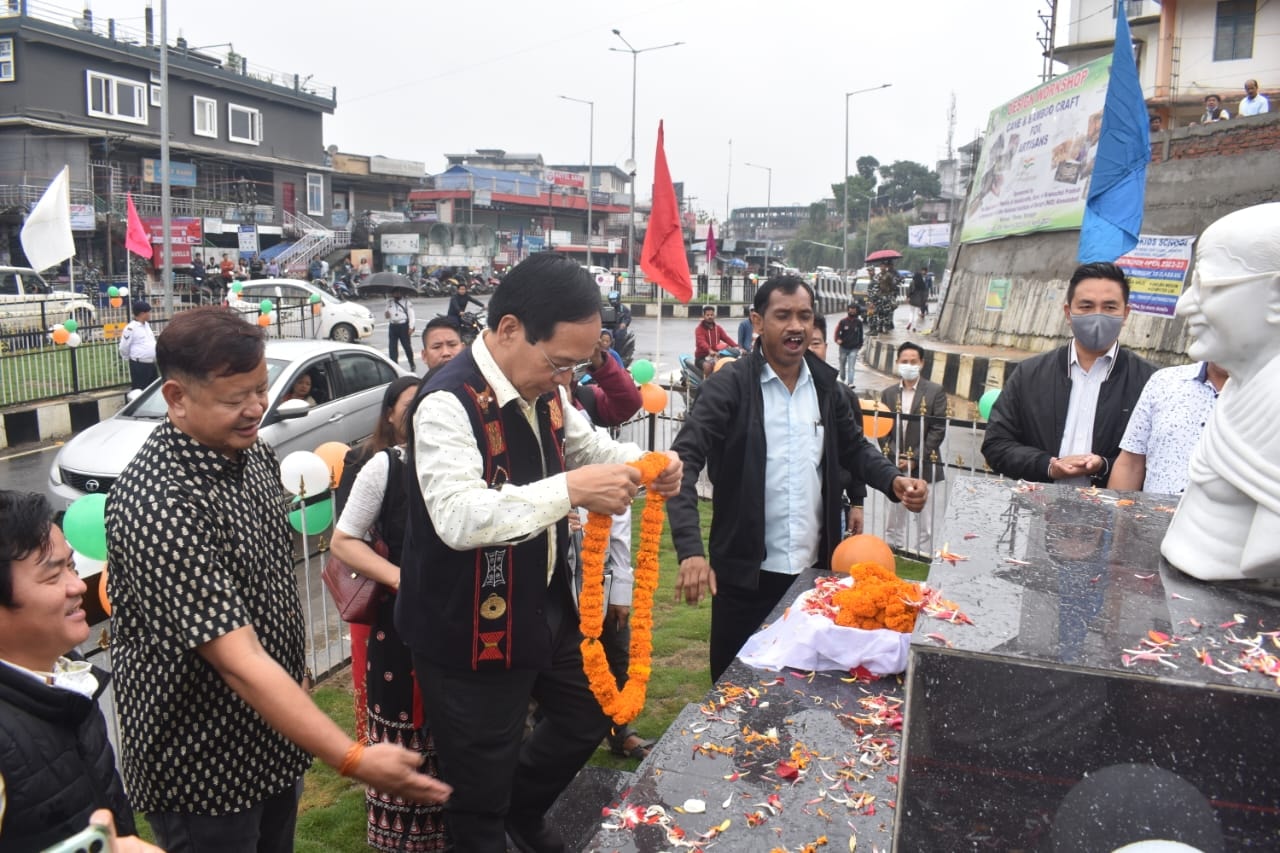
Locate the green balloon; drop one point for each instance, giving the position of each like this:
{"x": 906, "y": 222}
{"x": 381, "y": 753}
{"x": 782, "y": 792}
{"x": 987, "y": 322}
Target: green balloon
{"x": 642, "y": 371}
{"x": 986, "y": 401}
{"x": 265, "y": 306}
{"x": 237, "y": 287}
{"x": 315, "y": 297}
{"x": 85, "y": 526}
{"x": 70, "y": 325}
{"x": 113, "y": 291}
{"x": 319, "y": 516}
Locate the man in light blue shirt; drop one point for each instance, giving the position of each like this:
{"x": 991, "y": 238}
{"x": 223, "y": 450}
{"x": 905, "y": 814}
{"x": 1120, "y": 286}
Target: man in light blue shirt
{"x": 774, "y": 431}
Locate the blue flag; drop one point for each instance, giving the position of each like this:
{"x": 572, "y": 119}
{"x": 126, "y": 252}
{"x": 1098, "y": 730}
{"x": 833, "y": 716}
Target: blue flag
{"x": 520, "y": 243}
{"x": 1113, "y": 212}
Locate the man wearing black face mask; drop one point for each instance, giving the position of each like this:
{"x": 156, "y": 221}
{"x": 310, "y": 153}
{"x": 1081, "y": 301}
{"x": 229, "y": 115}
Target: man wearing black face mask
{"x": 1061, "y": 415}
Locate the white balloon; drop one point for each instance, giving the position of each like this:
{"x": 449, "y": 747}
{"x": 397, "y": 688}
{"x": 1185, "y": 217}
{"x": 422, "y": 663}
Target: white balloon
{"x": 57, "y": 327}
{"x": 73, "y": 340}
{"x": 303, "y": 472}
{"x": 124, "y": 291}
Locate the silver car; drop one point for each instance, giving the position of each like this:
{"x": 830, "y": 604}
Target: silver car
{"x": 347, "y": 384}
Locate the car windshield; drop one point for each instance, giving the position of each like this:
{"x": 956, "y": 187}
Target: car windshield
{"x": 151, "y": 405}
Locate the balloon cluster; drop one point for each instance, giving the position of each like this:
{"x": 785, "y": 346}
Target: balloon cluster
{"x": 66, "y": 333}
{"x": 653, "y": 397}
{"x": 315, "y": 303}
{"x": 266, "y": 311}
{"x": 310, "y": 477}
{"x": 117, "y": 295}
{"x": 85, "y": 526}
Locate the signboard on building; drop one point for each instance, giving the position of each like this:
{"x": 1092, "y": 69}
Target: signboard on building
{"x": 184, "y": 235}
{"x": 997, "y": 294}
{"x": 248, "y": 240}
{"x": 382, "y": 217}
{"x": 180, "y": 174}
{"x": 1037, "y": 157}
{"x": 212, "y": 225}
{"x": 484, "y": 198}
{"x": 930, "y": 235}
{"x": 400, "y": 244}
{"x": 1157, "y": 271}
{"x": 565, "y": 179}
{"x": 82, "y": 217}
{"x": 401, "y": 168}
{"x": 561, "y": 238}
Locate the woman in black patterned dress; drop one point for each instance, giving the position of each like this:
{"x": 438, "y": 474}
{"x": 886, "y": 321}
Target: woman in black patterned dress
{"x": 376, "y": 509}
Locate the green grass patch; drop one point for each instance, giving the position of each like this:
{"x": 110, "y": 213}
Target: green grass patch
{"x": 40, "y": 374}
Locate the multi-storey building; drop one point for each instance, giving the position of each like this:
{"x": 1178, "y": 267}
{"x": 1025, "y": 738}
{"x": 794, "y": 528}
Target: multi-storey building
{"x": 246, "y": 145}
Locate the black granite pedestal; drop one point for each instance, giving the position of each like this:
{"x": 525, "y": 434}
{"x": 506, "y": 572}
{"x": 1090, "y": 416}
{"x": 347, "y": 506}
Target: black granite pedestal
{"x": 773, "y": 760}
{"x": 1094, "y": 700}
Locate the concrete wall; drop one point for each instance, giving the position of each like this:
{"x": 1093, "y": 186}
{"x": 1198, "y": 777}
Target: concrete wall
{"x": 1199, "y": 174}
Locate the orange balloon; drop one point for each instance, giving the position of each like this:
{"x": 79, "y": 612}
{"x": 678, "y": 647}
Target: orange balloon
{"x": 315, "y": 309}
{"x": 333, "y": 453}
{"x": 102, "y": 593}
{"x": 653, "y": 397}
{"x": 116, "y": 301}
{"x": 60, "y": 336}
{"x": 264, "y": 319}
{"x": 873, "y": 425}
{"x": 863, "y": 548}
{"x": 721, "y": 362}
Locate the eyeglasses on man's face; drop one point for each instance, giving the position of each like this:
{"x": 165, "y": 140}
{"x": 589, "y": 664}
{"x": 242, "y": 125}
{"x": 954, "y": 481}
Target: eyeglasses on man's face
{"x": 558, "y": 371}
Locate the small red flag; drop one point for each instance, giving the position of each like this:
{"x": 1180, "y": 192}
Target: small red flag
{"x": 136, "y": 238}
{"x": 663, "y": 258}
{"x": 711, "y": 245}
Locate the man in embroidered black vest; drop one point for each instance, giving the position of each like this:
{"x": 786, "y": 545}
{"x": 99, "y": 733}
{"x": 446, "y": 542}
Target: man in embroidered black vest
{"x": 485, "y": 597}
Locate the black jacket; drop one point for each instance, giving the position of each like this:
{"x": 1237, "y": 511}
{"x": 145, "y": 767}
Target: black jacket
{"x": 725, "y": 432}
{"x": 57, "y": 763}
{"x": 1030, "y": 415}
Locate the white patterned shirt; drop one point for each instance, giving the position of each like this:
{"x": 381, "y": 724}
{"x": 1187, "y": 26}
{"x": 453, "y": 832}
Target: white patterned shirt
{"x": 1167, "y": 422}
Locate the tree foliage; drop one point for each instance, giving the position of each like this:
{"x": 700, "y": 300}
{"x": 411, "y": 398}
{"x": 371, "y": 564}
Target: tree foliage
{"x": 904, "y": 180}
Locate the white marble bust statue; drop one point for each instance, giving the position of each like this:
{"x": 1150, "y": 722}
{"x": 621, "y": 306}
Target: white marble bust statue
{"x": 1227, "y": 526}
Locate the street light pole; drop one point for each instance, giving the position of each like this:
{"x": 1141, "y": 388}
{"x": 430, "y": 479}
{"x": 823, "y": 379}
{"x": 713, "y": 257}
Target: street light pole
{"x": 631, "y": 224}
{"x": 844, "y": 262}
{"x": 768, "y": 213}
{"x": 591, "y": 158}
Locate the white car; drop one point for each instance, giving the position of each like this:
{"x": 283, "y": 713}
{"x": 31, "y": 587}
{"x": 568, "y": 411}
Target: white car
{"x": 347, "y": 384}
{"x": 337, "y": 320}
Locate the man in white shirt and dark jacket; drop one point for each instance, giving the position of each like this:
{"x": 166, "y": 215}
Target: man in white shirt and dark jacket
{"x": 485, "y": 599}
{"x": 774, "y": 432}
{"x": 1061, "y": 414}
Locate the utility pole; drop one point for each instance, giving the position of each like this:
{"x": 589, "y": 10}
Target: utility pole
{"x": 1050, "y": 23}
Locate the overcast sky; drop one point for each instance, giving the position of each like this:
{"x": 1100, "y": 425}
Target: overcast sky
{"x": 419, "y": 78}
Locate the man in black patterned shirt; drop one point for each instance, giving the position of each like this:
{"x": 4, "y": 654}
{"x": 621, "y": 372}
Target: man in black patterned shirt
{"x": 207, "y": 627}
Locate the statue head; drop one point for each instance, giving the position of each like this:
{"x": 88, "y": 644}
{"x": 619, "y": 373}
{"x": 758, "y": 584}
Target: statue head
{"x": 1232, "y": 306}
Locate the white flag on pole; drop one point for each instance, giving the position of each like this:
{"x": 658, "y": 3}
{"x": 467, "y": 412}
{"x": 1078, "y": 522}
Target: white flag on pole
{"x": 46, "y": 235}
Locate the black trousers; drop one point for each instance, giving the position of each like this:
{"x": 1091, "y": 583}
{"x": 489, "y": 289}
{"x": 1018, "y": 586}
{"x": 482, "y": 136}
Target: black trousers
{"x": 398, "y": 333}
{"x": 736, "y": 613}
{"x": 142, "y": 373}
{"x": 267, "y": 827}
{"x": 478, "y": 720}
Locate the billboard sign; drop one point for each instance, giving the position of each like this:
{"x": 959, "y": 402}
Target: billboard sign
{"x": 565, "y": 179}
{"x": 400, "y": 244}
{"x": 184, "y": 235}
{"x": 180, "y": 174}
{"x": 1157, "y": 272}
{"x": 930, "y": 235}
{"x": 1037, "y": 157}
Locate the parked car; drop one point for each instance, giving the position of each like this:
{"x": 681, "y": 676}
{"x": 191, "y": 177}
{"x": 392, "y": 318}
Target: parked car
{"x": 347, "y": 383}
{"x": 29, "y": 303}
{"x": 338, "y": 320}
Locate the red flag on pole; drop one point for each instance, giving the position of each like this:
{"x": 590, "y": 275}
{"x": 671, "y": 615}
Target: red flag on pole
{"x": 711, "y": 246}
{"x": 663, "y": 258}
{"x": 136, "y": 238}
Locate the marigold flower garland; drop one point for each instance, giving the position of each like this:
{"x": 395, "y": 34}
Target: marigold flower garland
{"x": 877, "y": 599}
{"x": 622, "y": 705}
